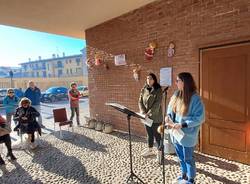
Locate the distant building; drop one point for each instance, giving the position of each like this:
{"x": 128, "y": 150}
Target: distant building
{"x": 65, "y": 66}
{"x": 4, "y": 71}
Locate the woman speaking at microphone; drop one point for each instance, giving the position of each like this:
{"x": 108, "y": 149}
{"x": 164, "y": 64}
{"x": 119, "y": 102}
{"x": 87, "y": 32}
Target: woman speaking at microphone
{"x": 150, "y": 104}
{"x": 185, "y": 112}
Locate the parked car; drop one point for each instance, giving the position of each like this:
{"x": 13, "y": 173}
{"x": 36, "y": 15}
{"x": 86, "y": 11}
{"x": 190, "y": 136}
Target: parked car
{"x": 3, "y": 92}
{"x": 54, "y": 94}
{"x": 83, "y": 90}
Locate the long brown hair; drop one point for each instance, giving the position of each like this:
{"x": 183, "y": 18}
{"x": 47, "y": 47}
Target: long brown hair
{"x": 180, "y": 102}
{"x": 156, "y": 85}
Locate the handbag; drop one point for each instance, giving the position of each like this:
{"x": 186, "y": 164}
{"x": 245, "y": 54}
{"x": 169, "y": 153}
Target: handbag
{"x": 4, "y": 129}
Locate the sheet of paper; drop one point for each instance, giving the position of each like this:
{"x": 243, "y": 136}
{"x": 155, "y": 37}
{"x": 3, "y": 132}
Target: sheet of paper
{"x": 166, "y": 76}
{"x": 140, "y": 114}
{"x": 120, "y": 60}
{"x": 147, "y": 121}
{"x": 116, "y": 105}
{"x": 177, "y": 134}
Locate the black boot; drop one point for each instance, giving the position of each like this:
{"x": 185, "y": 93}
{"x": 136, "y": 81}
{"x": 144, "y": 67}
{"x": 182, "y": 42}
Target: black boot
{"x": 11, "y": 157}
{"x": 1, "y": 161}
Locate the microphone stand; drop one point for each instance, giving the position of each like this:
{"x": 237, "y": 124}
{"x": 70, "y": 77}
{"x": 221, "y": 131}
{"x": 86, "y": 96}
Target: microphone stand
{"x": 165, "y": 92}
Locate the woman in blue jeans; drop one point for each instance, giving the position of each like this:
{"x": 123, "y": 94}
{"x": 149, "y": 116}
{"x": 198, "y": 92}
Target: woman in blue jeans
{"x": 186, "y": 112}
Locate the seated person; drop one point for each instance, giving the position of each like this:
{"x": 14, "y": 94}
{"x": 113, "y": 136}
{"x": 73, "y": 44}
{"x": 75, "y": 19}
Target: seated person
{"x": 26, "y": 117}
{"x": 5, "y": 138}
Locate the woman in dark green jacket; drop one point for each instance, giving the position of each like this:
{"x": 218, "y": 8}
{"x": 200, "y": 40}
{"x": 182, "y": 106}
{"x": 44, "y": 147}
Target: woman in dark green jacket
{"x": 150, "y": 104}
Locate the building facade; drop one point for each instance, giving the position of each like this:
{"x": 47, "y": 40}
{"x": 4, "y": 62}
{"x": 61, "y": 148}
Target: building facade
{"x": 212, "y": 41}
{"x": 4, "y": 71}
{"x": 65, "y": 66}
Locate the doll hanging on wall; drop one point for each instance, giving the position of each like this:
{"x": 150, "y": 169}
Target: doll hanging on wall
{"x": 136, "y": 72}
{"x": 89, "y": 63}
{"x": 149, "y": 51}
{"x": 98, "y": 60}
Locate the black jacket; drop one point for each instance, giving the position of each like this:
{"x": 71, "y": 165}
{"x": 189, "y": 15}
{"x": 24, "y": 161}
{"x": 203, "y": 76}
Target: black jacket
{"x": 30, "y": 125}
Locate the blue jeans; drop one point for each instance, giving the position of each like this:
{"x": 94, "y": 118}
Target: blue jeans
{"x": 186, "y": 156}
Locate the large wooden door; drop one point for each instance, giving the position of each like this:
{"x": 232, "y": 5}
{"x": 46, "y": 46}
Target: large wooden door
{"x": 225, "y": 88}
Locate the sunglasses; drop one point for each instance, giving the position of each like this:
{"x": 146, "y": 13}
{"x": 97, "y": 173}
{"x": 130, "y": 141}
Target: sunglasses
{"x": 11, "y": 92}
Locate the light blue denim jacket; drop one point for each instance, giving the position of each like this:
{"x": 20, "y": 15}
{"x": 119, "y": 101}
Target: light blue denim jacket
{"x": 194, "y": 118}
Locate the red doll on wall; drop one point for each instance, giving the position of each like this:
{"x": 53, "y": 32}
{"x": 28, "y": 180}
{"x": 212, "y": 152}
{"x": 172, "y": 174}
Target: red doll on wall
{"x": 149, "y": 51}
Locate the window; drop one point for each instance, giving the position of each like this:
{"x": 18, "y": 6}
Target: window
{"x": 36, "y": 65}
{"x": 70, "y": 71}
{"x": 79, "y": 70}
{"x": 60, "y": 72}
{"x": 37, "y": 74}
{"x": 44, "y": 74}
{"x": 67, "y": 71}
{"x": 69, "y": 61}
{"x": 59, "y": 64}
{"x": 48, "y": 66}
{"x": 64, "y": 90}
{"x": 44, "y": 65}
{"x": 78, "y": 61}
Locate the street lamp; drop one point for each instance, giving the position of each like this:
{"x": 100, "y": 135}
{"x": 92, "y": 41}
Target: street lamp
{"x": 11, "y": 78}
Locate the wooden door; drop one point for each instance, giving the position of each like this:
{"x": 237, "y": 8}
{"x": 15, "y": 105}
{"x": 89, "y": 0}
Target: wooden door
{"x": 225, "y": 89}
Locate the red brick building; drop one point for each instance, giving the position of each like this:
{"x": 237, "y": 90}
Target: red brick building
{"x": 212, "y": 39}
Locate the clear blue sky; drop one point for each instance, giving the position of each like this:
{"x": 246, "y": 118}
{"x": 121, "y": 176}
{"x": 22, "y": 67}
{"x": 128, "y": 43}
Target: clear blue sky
{"x": 17, "y": 45}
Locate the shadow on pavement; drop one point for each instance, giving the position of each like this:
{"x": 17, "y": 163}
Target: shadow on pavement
{"x": 203, "y": 159}
{"x": 55, "y": 161}
{"x": 216, "y": 163}
{"x": 81, "y": 141}
{"x": 18, "y": 175}
{"x": 125, "y": 136}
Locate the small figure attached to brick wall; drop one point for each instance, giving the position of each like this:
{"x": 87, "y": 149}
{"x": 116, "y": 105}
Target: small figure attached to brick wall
{"x": 90, "y": 63}
{"x": 136, "y": 72}
{"x": 149, "y": 51}
{"x": 98, "y": 60}
{"x": 171, "y": 50}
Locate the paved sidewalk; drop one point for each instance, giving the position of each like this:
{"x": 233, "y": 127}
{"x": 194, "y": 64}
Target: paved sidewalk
{"x": 92, "y": 157}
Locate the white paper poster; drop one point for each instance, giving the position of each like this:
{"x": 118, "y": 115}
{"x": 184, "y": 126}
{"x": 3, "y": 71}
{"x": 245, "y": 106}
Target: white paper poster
{"x": 166, "y": 76}
{"x": 120, "y": 60}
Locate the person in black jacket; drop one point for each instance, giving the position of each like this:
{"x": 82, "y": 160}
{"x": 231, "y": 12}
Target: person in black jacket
{"x": 26, "y": 117}
{"x": 5, "y": 138}
{"x": 150, "y": 105}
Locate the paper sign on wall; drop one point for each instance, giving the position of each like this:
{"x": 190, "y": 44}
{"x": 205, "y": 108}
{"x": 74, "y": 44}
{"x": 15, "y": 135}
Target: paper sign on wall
{"x": 166, "y": 76}
{"x": 120, "y": 60}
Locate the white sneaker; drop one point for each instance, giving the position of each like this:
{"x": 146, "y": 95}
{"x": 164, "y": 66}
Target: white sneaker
{"x": 147, "y": 152}
{"x": 179, "y": 181}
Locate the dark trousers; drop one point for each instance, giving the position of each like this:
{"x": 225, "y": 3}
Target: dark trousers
{"x": 75, "y": 110}
{"x": 153, "y": 134}
{"x": 7, "y": 141}
{"x": 32, "y": 137}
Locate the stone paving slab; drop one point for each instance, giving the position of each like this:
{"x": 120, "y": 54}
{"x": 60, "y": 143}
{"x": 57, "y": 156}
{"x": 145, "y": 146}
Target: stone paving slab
{"x": 91, "y": 157}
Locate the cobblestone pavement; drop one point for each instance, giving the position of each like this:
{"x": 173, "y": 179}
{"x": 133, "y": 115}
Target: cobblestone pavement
{"x": 88, "y": 156}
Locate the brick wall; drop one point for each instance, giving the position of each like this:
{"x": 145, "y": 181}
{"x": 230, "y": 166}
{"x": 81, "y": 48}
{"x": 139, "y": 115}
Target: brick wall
{"x": 191, "y": 24}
